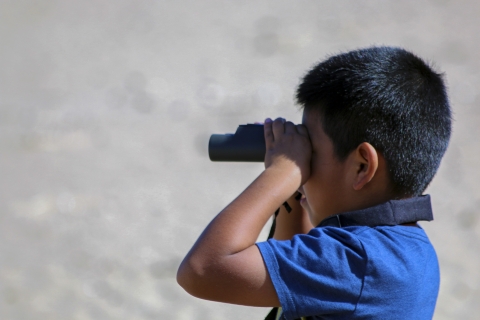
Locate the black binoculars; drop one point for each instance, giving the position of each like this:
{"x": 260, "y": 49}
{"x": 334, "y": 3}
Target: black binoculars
{"x": 246, "y": 145}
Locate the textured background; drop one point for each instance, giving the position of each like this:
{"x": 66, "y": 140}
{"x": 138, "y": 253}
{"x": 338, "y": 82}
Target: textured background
{"x": 105, "y": 112}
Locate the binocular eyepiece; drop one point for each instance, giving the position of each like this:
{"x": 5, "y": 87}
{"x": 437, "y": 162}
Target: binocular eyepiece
{"x": 246, "y": 145}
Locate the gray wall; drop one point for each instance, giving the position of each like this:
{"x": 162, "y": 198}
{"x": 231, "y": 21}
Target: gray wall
{"x": 105, "y": 112}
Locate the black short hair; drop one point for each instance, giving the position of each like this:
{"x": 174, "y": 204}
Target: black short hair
{"x": 390, "y": 98}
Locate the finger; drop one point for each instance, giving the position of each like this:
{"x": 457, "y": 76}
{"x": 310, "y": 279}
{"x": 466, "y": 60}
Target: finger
{"x": 302, "y": 129}
{"x": 290, "y": 127}
{"x": 256, "y": 122}
{"x": 278, "y": 127}
{"x": 268, "y": 133}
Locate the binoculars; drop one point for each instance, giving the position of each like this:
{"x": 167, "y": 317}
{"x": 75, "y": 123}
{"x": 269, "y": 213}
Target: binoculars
{"x": 246, "y": 145}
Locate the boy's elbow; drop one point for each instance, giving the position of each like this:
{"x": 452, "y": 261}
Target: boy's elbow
{"x": 184, "y": 276}
{"x": 190, "y": 277}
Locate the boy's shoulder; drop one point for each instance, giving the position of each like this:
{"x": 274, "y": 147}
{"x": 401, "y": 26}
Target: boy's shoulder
{"x": 362, "y": 244}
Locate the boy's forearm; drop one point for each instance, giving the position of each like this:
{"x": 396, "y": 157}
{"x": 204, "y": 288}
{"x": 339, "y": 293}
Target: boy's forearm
{"x": 237, "y": 226}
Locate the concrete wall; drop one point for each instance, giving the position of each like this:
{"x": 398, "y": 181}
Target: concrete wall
{"x": 105, "y": 112}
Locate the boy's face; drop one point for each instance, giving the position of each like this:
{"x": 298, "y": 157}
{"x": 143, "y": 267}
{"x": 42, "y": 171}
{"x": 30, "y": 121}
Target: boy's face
{"x": 325, "y": 190}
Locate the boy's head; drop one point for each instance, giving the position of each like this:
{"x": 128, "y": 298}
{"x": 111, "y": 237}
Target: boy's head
{"x": 389, "y": 98}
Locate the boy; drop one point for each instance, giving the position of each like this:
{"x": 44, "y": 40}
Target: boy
{"x": 376, "y": 123}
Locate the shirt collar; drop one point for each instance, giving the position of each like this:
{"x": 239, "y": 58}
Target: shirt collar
{"x": 390, "y": 213}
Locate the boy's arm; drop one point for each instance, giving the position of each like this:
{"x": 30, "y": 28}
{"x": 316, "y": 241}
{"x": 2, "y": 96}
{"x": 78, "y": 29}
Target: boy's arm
{"x": 288, "y": 224}
{"x": 225, "y": 264}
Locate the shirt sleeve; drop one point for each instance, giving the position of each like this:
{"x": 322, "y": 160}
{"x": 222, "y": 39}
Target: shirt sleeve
{"x": 318, "y": 273}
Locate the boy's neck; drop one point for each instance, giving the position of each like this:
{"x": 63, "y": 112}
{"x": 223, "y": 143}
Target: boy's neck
{"x": 377, "y": 191}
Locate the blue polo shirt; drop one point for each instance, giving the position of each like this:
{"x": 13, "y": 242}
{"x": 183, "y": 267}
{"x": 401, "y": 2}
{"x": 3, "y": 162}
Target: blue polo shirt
{"x": 356, "y": 272}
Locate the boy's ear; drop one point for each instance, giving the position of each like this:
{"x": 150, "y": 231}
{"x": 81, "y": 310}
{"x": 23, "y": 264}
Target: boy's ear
{"x": 366, "y": 165}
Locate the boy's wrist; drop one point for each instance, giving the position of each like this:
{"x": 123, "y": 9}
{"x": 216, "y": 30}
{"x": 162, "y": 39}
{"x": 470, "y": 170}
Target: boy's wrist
{"x": 288, "y": 179}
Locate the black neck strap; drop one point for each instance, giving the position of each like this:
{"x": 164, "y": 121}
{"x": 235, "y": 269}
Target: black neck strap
{"x": 390, "y": 213}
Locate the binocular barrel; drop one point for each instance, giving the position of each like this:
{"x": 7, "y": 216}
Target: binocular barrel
{"x": 246, "y": 145}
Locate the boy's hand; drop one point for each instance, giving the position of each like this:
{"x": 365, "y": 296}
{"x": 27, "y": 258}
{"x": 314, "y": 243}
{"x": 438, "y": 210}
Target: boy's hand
{"x": 288, "y": 147}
